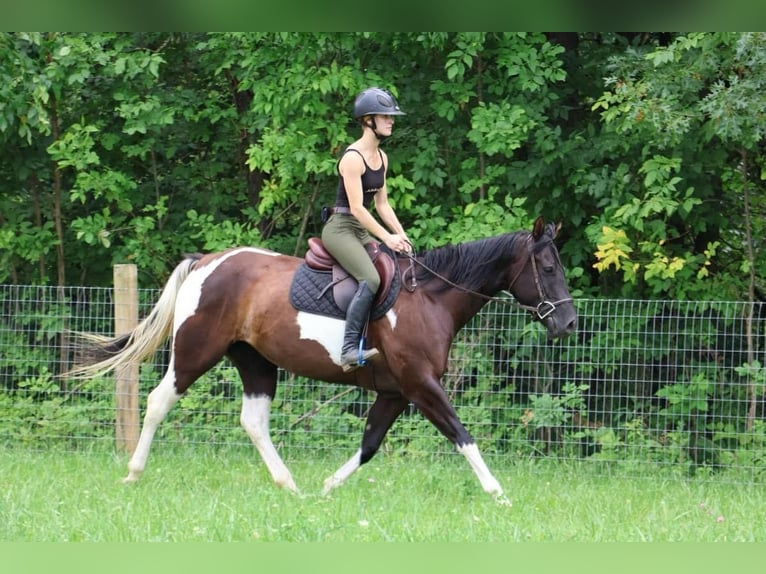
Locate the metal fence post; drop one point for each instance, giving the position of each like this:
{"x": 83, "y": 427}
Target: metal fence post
{"x": 126, "y": 377}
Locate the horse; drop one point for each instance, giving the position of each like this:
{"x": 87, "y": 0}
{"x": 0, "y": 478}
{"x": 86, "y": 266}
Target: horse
{"x": 236, "y": 303}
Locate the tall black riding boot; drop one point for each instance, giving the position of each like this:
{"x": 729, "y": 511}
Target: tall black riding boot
{"x": 356, "y": 317}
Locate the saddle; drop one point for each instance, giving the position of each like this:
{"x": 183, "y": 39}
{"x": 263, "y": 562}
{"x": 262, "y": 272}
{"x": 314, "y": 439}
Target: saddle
{"x": 344, "y": 285}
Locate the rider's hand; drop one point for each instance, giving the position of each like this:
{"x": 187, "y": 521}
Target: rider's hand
{"x": 398, "y": 243}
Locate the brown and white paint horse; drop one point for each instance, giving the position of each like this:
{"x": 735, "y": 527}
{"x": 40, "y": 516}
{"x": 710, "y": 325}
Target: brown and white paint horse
{"x": 235, "y": 303}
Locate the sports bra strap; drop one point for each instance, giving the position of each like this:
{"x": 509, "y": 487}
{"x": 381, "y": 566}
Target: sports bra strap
{"x": 348, "y": 149}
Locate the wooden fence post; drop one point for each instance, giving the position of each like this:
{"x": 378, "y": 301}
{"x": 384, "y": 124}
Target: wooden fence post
{"x": 126, "y": 377}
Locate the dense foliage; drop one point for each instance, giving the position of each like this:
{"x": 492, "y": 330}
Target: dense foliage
{"x": 140, "y": 147}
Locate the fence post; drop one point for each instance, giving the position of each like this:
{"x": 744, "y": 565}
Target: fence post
{"x": 126, "y": 377}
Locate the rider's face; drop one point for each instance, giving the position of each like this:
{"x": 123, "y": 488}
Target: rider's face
{"x": 384, "y": 124}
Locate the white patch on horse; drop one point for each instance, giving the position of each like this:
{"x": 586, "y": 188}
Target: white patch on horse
{"x": 326, "y": 331}
{"x": 255, "y": 420}
{"x": 159, "y": 402}
{"x": 473, "y": 456}
{"x": 342, "y": 474}
{"x": 191, "y": 290}
{"x": 391, "y": 316}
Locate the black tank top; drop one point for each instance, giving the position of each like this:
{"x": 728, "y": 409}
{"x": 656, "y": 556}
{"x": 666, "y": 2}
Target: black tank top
{"x": 372, "y": 181}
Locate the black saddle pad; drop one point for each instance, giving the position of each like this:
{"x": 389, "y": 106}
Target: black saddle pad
{"x": 311, "y": 292}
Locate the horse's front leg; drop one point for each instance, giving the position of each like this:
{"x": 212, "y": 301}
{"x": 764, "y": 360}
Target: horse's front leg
{"x": 384, "y": 411}
{"x": 429, "y": 397}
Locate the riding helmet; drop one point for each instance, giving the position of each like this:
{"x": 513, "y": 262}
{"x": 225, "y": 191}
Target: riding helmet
{"x": 376, "y": 101}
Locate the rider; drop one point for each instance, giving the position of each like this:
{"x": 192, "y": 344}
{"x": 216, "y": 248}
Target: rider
{"x": 362, "y": 169}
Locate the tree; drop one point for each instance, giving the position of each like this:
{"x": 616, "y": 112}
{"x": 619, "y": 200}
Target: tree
{"x": 693, "y": 112}
{"x": 73, "y": 97}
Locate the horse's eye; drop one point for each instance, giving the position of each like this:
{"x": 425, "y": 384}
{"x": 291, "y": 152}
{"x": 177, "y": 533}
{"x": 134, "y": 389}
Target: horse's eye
{"x": 548, "y": 268}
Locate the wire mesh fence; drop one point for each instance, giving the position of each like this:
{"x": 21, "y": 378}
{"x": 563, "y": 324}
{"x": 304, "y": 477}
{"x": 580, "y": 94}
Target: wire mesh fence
{"x": 643, "y": 386}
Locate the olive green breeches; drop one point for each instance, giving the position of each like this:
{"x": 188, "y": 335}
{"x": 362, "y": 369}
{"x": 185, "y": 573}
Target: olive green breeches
{"x": 345, "y": 238}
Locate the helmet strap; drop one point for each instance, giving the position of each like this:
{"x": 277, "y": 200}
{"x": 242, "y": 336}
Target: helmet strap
{"x": 374, "y": 128}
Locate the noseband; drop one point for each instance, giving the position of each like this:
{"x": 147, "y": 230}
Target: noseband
{"x": 543, "y": 309}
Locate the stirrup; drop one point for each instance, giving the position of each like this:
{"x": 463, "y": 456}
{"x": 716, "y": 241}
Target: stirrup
{"x": 361, "y": 358}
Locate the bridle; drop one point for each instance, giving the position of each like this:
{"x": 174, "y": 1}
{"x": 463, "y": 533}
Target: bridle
{"x": 543, "y": 309}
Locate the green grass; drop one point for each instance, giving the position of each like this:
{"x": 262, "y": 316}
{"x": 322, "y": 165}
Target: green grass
{"x": 198, "y": 494}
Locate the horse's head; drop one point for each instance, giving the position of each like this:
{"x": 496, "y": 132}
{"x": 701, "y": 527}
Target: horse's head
{"x": 539, "y": 284}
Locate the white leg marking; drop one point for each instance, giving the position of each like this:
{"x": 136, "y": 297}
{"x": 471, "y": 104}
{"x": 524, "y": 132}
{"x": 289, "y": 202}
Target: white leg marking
{"x": 255, "y": 421}
{"x": 473, "y": 456}
{"x": 340, "y": 476}
{"x": 159, "y": 402}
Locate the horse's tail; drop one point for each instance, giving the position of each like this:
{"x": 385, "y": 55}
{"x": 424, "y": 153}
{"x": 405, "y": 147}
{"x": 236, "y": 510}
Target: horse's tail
{"x": 99, "y": 355}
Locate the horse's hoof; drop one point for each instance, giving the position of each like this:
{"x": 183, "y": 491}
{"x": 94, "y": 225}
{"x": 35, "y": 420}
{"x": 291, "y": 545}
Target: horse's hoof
{"x": 289, "y": 485}
{"x": 329, "y": 485}
{"x": 130, "y": 479}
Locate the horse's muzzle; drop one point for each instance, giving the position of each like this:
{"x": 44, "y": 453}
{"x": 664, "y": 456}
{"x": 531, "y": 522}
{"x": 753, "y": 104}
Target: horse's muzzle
{"x": 559, "y": 317}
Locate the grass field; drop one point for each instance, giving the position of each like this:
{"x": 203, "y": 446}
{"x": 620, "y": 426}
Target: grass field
{"x": 198, "y": 494}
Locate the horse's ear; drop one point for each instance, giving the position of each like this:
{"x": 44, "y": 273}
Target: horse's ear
{"x": 539, "y": 228}
{"x": 556, "y": 230}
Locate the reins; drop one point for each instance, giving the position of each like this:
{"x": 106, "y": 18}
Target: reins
{"x": 543, "y": 309}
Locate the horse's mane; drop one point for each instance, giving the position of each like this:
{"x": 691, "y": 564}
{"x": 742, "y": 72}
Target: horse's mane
{"x": 469, "y": 264}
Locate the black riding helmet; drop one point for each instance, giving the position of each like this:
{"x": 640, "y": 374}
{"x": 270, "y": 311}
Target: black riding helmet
{"x": 374, "y": 101}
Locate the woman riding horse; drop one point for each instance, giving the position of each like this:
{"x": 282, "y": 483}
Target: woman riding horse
{"x": 362, "y": 170}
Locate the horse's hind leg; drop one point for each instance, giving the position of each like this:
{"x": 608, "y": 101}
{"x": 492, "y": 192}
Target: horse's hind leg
{"x": 259, "y": 380}
{"x": 384, "y": 411}
{"x": 197, "y": 357}
{"x": 159, "y": 402}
